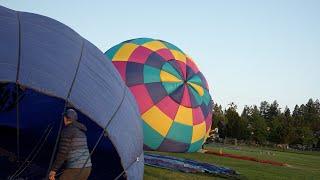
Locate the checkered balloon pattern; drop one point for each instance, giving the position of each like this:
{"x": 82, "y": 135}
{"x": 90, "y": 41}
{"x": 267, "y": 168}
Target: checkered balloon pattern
{"x": 171, "y": 92}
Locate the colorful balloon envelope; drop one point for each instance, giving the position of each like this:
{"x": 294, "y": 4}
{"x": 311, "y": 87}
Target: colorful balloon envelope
{"x": 172, "y": 94}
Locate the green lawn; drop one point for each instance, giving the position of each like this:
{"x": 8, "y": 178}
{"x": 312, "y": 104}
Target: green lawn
{"x": 301, "y": 165}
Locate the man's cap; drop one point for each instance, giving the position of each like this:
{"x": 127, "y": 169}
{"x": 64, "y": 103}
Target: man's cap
{"x": 71, "y": 114}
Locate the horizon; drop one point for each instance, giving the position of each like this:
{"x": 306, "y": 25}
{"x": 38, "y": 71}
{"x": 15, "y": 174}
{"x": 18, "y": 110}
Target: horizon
{"x": 249, "y": 51}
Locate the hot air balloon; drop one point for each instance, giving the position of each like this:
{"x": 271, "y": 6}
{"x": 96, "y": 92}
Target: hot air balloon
{"x": 46, "y": 67}
{"x": 172, "y": 94}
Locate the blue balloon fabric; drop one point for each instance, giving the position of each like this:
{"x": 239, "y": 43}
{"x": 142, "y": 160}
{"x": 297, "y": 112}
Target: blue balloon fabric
{"x": 52, "y": 65}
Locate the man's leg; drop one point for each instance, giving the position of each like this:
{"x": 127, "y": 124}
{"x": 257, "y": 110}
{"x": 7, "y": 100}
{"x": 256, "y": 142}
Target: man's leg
{"x": 85, "y": 173}
{"x": 66, "y": 174}
{"x": 70, "y": 174}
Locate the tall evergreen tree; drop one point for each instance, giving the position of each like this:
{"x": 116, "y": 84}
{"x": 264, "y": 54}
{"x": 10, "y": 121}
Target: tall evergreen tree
{"x": 236, "y": 127}
{"x": 257, "y": 126}
{"x": 274, "y": 110}
{"x": 287, "y": 112}
{"x": 264, "y": 109}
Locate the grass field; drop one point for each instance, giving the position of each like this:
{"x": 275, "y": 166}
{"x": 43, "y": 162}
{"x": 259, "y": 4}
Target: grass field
{"x": 301, "y": 165}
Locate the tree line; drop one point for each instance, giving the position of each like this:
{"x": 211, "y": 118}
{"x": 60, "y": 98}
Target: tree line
{"x": 268, "y": 123}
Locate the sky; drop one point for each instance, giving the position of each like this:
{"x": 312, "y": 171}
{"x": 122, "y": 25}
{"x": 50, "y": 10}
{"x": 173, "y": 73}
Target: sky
{"x": 249, "y": 51}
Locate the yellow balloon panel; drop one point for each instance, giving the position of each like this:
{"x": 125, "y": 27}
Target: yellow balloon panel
{"x": 184, "y": 116}
{"x": 157, "y": 120}
{"x": 154, "y": 45}
{"x": 167, "y": 77}
{"x": 124, "y": 52}
{"x": 199, "y": 132}
{"x": 179, "y": 55}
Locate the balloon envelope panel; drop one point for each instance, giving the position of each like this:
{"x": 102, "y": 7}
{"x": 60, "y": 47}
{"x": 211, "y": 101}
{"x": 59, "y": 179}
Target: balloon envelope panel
{"x": 172, "y": 94}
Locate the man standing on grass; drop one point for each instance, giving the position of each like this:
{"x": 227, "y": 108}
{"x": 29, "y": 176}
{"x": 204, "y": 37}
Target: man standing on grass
{"x": 73, "y": 150}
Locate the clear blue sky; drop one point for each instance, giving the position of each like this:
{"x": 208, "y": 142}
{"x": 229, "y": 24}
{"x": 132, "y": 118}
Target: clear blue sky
{"x": 249, "y": 51}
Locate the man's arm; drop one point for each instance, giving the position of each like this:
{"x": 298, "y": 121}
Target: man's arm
{"x": 64, "y": 148}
